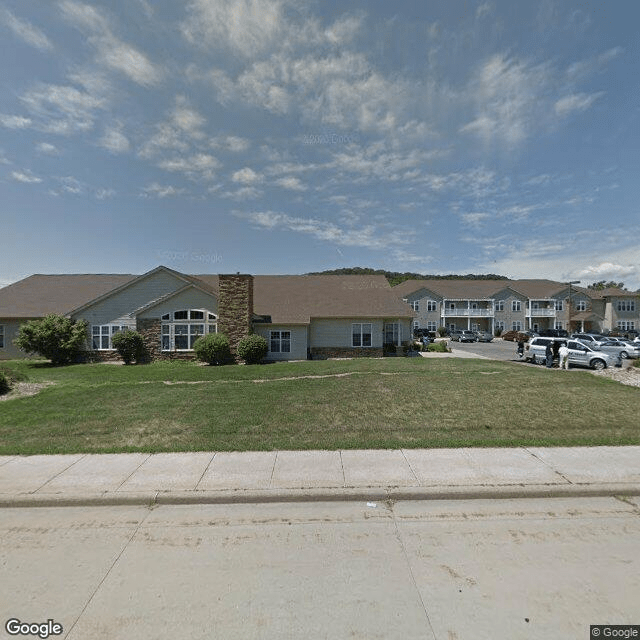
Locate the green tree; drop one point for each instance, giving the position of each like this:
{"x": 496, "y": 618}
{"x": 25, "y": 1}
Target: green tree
{"x": 603, "y": 284}
{"x": 55, "y": 337}
{"x": 130, "y": 345}
{"x": 213, "y": 348}
{"x": 252, "y": 349}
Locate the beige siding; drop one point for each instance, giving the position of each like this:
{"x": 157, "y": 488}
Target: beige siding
{"x": 119, "y": 308}
{"x": 298, "y": 341}
{"x": 190, "y": 299}
{"x": 326, "y": 332}
{"x": 10, "y": 351}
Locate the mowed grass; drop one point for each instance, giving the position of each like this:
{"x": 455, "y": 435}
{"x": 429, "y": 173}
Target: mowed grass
{"x": 360, "y": 403}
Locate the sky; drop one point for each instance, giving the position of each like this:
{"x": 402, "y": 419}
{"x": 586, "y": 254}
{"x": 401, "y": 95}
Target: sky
{"x": 289, "y": 136}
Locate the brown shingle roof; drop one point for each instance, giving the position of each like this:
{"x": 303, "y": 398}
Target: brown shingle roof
{"x": 39, "y": 295}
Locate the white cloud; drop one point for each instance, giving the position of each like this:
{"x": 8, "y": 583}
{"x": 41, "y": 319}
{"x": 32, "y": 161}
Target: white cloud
{"x": 160, "y": 191}
{"x": 14, "y": 122}
{"x": 608, "y": 271}
{"x": 475, "y": 219}
{"x": 47, "y": 149}
{"x": 292, "y": 183}
{"x": 246, "y": 176}
{"x": 576, "y": 102}
{"x": 114, "y": 140}
{"x": 370, "y": 236}
{"x": 103, "y": 194}
{"x": 244, "y": 193}
{"x": 200, "y": 165}
{"x": 110, "y": 50}
{"x": 25, "y": 176}
{"x": 25, "y": 31}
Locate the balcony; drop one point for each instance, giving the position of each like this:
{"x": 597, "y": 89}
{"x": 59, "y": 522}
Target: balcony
{"x": 467, "y": 313}
{"x": 540, "y": 313}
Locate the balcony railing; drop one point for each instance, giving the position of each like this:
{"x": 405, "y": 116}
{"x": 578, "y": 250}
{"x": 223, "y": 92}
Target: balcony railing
{"x": 541, "y": 313}
{"x": 467, "y": 313}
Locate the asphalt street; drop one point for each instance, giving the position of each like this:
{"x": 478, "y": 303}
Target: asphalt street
{"x": 445, "y": 570}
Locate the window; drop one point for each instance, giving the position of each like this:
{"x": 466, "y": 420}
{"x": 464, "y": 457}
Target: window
{"x": 432, "y": 326}
{"x": 626, "y": 325}
{"x": 280, "y": 342}
{"x": 559, "y": 306}
{"x": 516, "y": 326}
{"x": 535, "y": 305}
{"x": 183, "y": 327}
{"x": 581, "y": 305}
{"x": 626, "y": 305}
{"x": 500, "y": 325}
{"x": 474, "y": 305}
{"x": 516, "y": 305}
{"x": 500, "y": 305}
{"x": 101, "y": 335}
{"x": 558, "y": 325}
{"x": 361, "y": 335}
{"x": 475, "y": 326}
{"x": 432, "y": 305}
{"x": 415, "y": 305}
{"x": 391, "y": 333}
{"x": 416, "y": 325}
{"x": 452, "y": 306}
{"x": 1, "y": 336}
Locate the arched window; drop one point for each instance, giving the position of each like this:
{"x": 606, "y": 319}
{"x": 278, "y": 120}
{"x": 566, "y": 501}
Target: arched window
{"x": 181, "y": 328}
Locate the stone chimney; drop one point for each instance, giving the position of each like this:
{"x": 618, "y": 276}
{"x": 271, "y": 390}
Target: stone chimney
{"x": 235, "y": 307}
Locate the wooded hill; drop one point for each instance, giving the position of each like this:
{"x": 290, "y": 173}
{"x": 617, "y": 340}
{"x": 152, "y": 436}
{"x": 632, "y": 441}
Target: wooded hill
{"x": 396, "y": 277}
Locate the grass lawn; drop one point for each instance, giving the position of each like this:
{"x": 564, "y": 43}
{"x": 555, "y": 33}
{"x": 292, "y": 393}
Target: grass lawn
{"x": 361, "y": 403}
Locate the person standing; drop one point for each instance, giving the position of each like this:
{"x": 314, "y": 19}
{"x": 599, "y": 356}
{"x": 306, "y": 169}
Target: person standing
{"x": 564, "y": 357}
{"x": 548, "y": 352}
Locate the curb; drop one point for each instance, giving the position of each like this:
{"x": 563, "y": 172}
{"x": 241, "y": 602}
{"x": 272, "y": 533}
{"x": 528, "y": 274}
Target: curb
{"x": 360, "y": 494}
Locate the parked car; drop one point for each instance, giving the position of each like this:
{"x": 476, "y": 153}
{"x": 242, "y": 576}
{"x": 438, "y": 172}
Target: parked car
{"x": 553, "y": 333}
{"x": 455, "y": 335}
{"x": 621, "y": 348}
{"x": 588, "y": 338}
{"x": 484, "y": 336}
{"x": 580, "y": 354}
{"x": 467, "y": 336}
{"x": 515, "y": 336}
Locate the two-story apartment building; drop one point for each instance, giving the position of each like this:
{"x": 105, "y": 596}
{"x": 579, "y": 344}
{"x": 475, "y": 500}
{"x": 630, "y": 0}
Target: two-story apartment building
{"x": 490, "y": 305}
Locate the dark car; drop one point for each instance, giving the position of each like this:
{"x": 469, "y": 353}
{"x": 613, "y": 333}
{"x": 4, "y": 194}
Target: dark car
{"x": 484, "y": 336}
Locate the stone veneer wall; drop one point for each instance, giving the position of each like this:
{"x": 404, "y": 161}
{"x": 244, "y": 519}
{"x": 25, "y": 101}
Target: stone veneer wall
{"x": 321, "y": 353}
{"x": 235, "y": 307}
{"x": 151, "y": 329}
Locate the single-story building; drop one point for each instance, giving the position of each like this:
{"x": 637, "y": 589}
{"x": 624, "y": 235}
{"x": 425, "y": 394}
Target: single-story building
{"x": 301, "y": 317}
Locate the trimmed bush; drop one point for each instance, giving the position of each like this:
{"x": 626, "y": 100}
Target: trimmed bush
{"x": 442, "y": 331}
{"x": 213, "y": 349}
{"x": 253, "y": 349}
{"x": 54, "y": 337}
{"x": 130, "y": 345}
{"x": 4, "y": 383}
{"x": 440, "y": 347}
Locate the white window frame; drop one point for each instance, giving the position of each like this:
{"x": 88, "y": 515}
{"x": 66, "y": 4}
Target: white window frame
{"x": 626, "y": 325}
{"x": 105, "y": 333}
{"x": 500, "y": 325}
{"x": 195, "y": 325}
{"x": 432, "y": 325}
{"x": 559, "y": 306}
{"x": 359, "y": 332}
{"x": 415, "y": 305}
{"x": 394, "y": 329}
{"x": 558, "y": 325}
{"x": 416, "y": 325}
{"x": 281, "y": 340}
{"x": 626, "y": 305}
{"x": 516, "y": 325}
{"x": 516, "y": 305}
{"x": 500, "y": 305}
{"x": 581, "y": 305}
{"x": 432, "y": 305}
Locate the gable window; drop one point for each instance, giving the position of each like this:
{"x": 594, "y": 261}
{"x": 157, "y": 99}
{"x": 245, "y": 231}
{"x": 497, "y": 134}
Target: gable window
{"x": 415, "y": 305}
{"x": 1, "y": 336}
{"x": 559, "y": 306}
{"x": 516, "y": 305}
{"x": 432, "y": 305}
{"x": 280, "y": 342}
{"x": 626, "y": 305}
{"x": 101, "y": 335}
{"x": 500, "y": 305}
{"x": 361, "y": 335}
{"x": 181, "y": 328}
{"x": 581, "y": 305}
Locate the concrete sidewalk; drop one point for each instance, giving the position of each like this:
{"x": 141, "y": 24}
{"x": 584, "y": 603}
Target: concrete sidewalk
{"x": 276, "y": 476}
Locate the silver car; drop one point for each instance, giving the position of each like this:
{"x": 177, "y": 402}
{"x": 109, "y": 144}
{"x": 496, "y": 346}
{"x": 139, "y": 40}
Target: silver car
{"x": 620, "y": 348}
{"x": 586, "y": 356}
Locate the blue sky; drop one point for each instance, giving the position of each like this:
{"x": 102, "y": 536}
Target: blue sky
{"x": 280, "y": 136}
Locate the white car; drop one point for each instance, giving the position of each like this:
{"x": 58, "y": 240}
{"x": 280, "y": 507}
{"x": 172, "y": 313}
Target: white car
{"x": 580, "y": 354}
{"x": 622, "y": 348}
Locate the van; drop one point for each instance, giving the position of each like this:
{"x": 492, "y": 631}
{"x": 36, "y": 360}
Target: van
{"x": 580, "y": 354}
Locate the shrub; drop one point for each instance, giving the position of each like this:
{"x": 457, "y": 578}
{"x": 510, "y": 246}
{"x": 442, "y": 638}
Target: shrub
{"x": 253, "y": 349}
{"x": 442, "y": 331}
{"x": 438, "y": 347}
{"x": 54, "y": 337}
{"x": 213, "y": 348}
{"x": 4, "y": 383}
{"x": 130, "y": 345}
